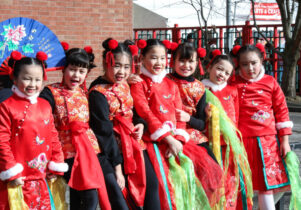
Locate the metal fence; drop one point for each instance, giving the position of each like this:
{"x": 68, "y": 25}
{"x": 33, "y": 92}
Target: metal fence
{"x": 225, "y": 37}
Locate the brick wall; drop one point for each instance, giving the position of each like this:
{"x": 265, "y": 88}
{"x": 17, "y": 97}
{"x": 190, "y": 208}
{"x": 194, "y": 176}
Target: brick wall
{"x": 78, "y": 22}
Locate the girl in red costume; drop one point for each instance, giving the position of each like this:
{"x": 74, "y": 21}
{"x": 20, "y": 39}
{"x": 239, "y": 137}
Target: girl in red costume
{"x": 156, "y": 99}
{"x": 29, "y": 145}
{"x": 113, "y": 121}
{"x": 71, "y": 114}
{"x": 263, "y": 114}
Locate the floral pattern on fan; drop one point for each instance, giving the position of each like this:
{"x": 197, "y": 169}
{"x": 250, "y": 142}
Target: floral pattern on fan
{"x": 39, "y": 162}
{"x": 12, "y": 38}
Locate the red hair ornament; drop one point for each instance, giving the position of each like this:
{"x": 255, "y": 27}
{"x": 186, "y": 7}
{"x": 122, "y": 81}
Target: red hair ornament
{"x": 41, "y": 56}
{"x": 134, "y": 51}
{"x": 113, "y": 44}
{"x": 214, "y": 53}
{"x": 261, "y": 48}
{"x": 88, "y": 49}
{"x": 65, "y": 46}
{"x": 141, "y": 43}
{"x": 201, "y": 52}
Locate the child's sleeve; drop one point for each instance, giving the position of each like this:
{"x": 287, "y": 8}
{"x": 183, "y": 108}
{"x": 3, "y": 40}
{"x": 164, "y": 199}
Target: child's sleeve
{"x": 236, "y": 105}
{"x": 102, "y": 127}
{"x": 56, "y": 164}
{"x": 180, "y": 132}
{"x": 9, "y": 168}
{"x": 281, "y": 113}
{"x": 157, "y": 129}
{"x": 198, "y": 121}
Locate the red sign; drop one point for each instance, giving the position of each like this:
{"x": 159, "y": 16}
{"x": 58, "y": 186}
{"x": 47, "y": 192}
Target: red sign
{"x": 265, "y": 11}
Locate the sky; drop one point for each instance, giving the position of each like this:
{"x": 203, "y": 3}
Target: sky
{"x": 184, "y": 15}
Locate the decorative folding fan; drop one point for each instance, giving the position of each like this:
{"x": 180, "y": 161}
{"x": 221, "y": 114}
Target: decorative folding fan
{"x": 29, "y": 36}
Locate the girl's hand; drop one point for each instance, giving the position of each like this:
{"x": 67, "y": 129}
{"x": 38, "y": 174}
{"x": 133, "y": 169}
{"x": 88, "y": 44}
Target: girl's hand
{"x": 182, "y": 116}
{"x": 284, "y": 146}
{"x": 138, "y": 132}
{"x": 119, "y": 177}
{"x": 17, "y": 182}
{"x": 174, "y": 146}
{"x": 133, "y": 79}
{"x": 208, "y": 110}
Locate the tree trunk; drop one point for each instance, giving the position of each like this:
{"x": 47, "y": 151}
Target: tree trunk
{"x": 290, "y": 58}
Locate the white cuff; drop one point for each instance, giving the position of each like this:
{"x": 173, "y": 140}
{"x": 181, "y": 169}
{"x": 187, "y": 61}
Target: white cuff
{"x": 287, "y": 124}
{"x": 13, "y": 171}
{"x": 183, "y": 133}
{"x": 167, "y": 127}
{"x": 58, "y": 167}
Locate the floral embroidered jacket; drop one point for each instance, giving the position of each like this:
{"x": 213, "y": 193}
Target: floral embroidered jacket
{"x": 69, "y": 106}
{"x": 262, "y": 107}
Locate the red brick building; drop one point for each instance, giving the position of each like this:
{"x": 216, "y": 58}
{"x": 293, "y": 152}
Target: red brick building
{"x": 78, "y": 22}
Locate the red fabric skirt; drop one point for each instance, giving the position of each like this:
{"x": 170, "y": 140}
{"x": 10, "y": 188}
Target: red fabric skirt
{"x": 268, "y": 170}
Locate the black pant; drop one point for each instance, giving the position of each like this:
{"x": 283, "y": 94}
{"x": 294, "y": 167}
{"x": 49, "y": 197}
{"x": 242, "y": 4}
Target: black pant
{"x": 114, "y": 193}
{"x": 80, "y": 200}
{"x": 209, "y": 151}
{"x": 151, "y": 200}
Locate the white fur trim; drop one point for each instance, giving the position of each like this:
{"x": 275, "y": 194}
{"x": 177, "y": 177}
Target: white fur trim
{"x": 13, "y": 171}
{"x": 58, "y": 167}
{"x": 214, "y": 87}
{"x": 155, "y": 78}
{"x": 287, "y": 124}
{"x": 259, "y": 77}
{"x": 167, "y": 127}
{"x": 33, "y": 99}
{"x": 183, "y": 133}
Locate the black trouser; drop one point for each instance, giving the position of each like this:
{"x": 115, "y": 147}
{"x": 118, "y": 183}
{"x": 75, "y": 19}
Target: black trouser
{"x": 114, "y": 193}
{"x": 209, "y": 151}
{"x": 151, "y": 200}
{"x": 83, "y": 199}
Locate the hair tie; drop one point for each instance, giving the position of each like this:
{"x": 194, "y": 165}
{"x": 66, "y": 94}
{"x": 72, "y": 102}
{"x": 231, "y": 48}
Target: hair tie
{"x": 214, "y": 53}
{"x": 141, "y": 43}
{"x": 173, "y": 47}
{"x": 234, "y": 51}
{"x": 65, "y": 46}
{"x": 261, "y": 48}
{"x": 112, "y": 44}
{"x": 201, "y": 52}
{"x": 134, "y": 51}
{"x": 41, "y": 56}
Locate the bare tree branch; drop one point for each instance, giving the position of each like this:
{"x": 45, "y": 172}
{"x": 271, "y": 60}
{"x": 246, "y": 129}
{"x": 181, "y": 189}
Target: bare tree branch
{"x": 285, "y": 24}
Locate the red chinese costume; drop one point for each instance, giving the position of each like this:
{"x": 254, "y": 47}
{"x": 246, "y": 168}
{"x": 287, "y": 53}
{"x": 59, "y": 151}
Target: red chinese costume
{"x": 156, "y": 99}
{"x": 263, "y": 114}
{"x": 29, "y": 148}
{"x": 120, "y": 104}
{"x": 71, "y": 117}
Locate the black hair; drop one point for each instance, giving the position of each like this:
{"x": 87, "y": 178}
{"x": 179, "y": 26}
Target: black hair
{"x": 224, "y": 57}
{"x": 150, "y": 44}
{"x": 91, "y": 61}
{"x": 17, "y": 65}
{"x": 123, "y": 47}
{"x": 184, "y": 51}
{"x": 249, "y": 48}
{"x": 5, "y": 82}
{"x": 77, "y": 57}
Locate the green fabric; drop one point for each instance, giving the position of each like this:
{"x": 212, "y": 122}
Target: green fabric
{"x": 293, "y": 164}
{"x": 189, "y": 193}
{"x": 229, "y": 132}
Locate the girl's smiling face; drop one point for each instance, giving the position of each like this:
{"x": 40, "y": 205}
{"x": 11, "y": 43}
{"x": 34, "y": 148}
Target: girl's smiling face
{"x": 121, "y": 70}
{"x": 74, "y": 76}
{"x": 185, "y": 67}
{"x": 155, "y": 60}
{"x": 220, "y": 72}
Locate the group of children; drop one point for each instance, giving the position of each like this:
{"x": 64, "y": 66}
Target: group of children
{"x": 115, "y": 142}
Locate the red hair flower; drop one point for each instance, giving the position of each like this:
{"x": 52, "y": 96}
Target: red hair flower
{"x": 141, "y": 43}
{"x": 173, "y": 46}
{"x": 134, "y": 49}
{"x": 16, "y": 55}
{"x": 166, "y": 43}
{"x": 235, "y": 49}
{"x": 113, "y": 44}
{"x": 88, "y": 49}
{"x": 41, "y": 56}
{"x": 65, "y": 45}
{"x": 215, "y": 53}
{"x": 201, "y": 52}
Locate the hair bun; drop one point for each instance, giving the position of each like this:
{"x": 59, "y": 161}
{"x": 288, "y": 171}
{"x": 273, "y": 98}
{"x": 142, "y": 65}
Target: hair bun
{"x": 141, "y": 43}
{"x": 201, "y": 52}
{"x": 173, "y": 46}
{"x": 166, "y": 43}
{"x": 113, "y": 44}
{"x": 88, "y": 49}
{"x": 65, "y": 46}
{"x": 41, "y": 56}
{"x": 134, "y": 49}
{"x": 235, "y": 49}
{"x": 16, "y": 55}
